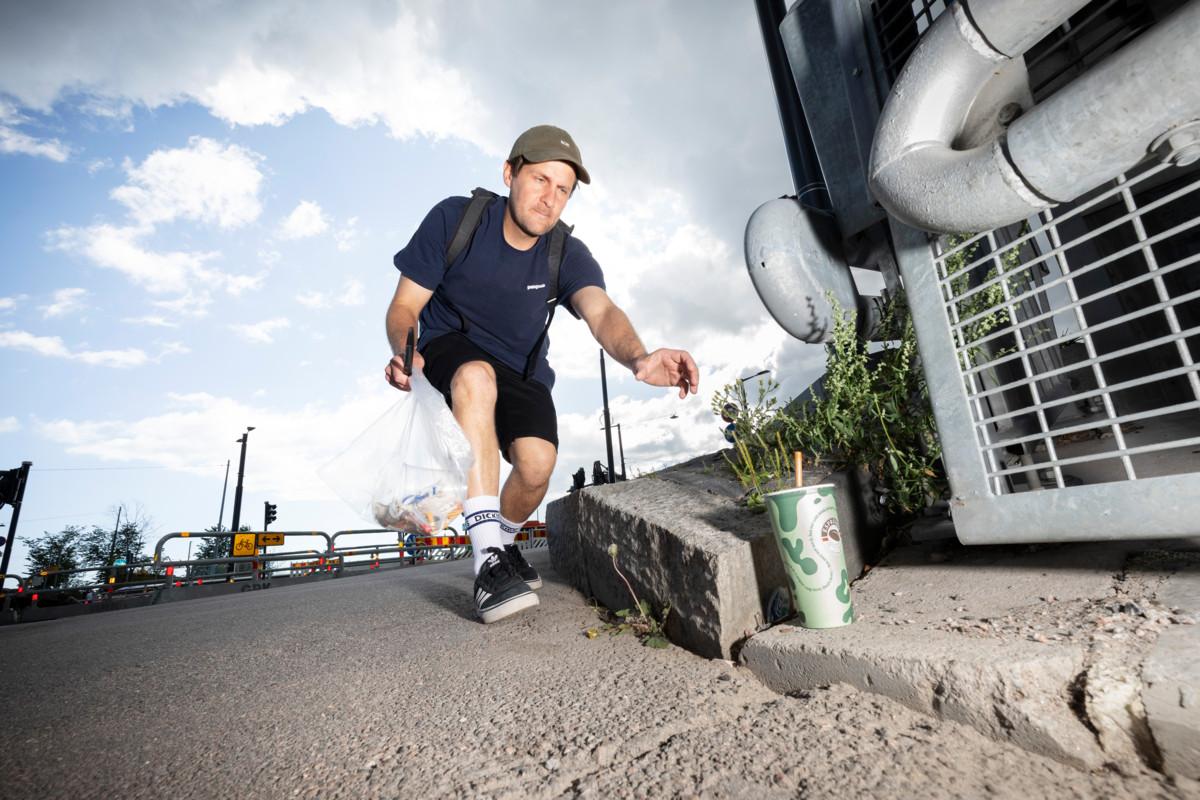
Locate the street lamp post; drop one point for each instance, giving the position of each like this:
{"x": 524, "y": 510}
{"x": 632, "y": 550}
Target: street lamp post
{"x": 607, "y": 420}
{"x": 621, "y": 444}
{"x": 224, "y": 488}
{"x": 237, "y": 493}
{"x": 755, "y": 375}
{"x": 742, "y": 384}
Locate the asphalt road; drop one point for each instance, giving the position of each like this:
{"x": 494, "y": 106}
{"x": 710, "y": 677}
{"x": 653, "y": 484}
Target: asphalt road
{"x": 384, "y": 685}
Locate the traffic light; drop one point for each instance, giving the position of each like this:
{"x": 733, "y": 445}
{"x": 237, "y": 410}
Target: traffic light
{"x": 269, "y": 514}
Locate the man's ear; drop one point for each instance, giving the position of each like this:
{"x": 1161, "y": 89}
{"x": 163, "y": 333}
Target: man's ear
{"x": 508, "y": 174}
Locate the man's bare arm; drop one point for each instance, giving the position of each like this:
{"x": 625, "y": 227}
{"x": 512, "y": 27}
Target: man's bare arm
{"x": 613, "y": 330}
{"x": 402, "y": 314}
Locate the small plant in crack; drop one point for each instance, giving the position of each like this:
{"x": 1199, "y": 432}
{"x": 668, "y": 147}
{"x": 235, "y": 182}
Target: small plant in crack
{"x": 639, "y": 619}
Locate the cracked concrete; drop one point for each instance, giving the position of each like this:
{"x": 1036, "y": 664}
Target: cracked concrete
{"x": 1074, "y": 651}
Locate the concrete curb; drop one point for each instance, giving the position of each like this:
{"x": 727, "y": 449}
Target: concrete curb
{"x": 1105, "y": 671}
{"x": 1016, "y": 693}
{"x": 1171, "y": 674}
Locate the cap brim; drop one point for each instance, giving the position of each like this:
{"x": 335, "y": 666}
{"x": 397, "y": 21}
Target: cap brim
{"x": 536, "y": 157}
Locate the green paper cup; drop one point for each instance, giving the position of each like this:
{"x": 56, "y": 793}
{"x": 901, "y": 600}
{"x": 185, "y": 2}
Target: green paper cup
{"x": 810, "y": 543}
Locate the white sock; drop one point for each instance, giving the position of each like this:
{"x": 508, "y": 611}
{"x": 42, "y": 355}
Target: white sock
{"x": 481, "y": 521}
{"x": 509, "y": 530}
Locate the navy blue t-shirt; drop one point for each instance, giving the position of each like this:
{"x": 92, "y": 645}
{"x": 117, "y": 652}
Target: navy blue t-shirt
{"x": 501, "y": 292}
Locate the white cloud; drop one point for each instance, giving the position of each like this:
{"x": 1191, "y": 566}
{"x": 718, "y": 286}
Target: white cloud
{"x": 251, "y": 65}
{"x": 173, "y": 349}
{"x": 9, "y": 425}
{"x": 152, "y": 320}
{"x": 131, "y": 357}
{"x": 347, "y": 236}
{"x": 260, "y": 332}
{"x": 307, "y": 219}
{"x": 288, "y": 446}
{"x": 13, "y": 141}
{"x": 118, "y": 111}
{"x": 352, "y": 295}
{"x": 98, "y": 164}
{"x": 8, "y": 303}
{"x": 53, "y": 347}
{"x": 203, "y": 182}
{"x": 41, "y": 345}
{"x": 192, "y": 303}
{"x": 313, "y": 299}
{"x": 66, "y": 301}
{"x": 120, "y": 248}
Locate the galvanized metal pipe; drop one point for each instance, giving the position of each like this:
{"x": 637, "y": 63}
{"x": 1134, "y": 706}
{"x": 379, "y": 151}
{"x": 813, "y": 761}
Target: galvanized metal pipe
{"x": 1087, "y": 133}
{"x": 916, "y": 172}
{"x": 1103, "y": 123}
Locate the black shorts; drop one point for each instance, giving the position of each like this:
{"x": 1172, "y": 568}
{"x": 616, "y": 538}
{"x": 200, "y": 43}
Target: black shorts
{"x": 523, "y": 408}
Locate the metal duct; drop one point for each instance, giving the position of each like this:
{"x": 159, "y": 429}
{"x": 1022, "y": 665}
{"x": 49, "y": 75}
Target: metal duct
{"x": 1086, "y": 134}
{"x": 794, "y": 257}
{"x": 1101, "y": 124}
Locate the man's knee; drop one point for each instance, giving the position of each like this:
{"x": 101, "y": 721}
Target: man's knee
{"x": 534, "y": 459}
{"x": 474, "y": 381}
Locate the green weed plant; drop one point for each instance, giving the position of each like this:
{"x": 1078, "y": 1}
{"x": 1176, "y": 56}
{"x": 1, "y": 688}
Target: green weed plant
{"x": 874, "y": 413}
{"x": 639, "y": 620}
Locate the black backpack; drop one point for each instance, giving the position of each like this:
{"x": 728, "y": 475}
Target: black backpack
{"x": 469, "y": 222}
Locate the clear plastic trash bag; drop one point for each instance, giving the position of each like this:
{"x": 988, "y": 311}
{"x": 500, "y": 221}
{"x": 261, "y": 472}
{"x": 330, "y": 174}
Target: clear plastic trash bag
{"x": 408, "y": 470}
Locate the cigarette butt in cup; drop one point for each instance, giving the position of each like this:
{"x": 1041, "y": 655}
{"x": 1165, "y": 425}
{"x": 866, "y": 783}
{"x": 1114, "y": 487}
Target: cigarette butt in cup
{"x": 798, "y": 459}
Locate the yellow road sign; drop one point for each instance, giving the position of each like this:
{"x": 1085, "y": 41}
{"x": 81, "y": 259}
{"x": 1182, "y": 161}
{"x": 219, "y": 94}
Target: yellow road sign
{"x": 243, "y": 544}
{"x": 270, "y": 539}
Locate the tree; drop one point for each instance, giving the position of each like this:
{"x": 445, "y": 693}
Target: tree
{"x": 213, "y": 547}
{"x": 98, "y": 547}
{"x": 55, "y": 551}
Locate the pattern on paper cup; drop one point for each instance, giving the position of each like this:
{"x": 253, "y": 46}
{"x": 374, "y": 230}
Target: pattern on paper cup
{"x": 806, "y": 528}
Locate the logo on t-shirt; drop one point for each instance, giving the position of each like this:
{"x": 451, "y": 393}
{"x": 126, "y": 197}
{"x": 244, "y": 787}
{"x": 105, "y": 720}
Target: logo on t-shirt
{"x": 533, "y": 286}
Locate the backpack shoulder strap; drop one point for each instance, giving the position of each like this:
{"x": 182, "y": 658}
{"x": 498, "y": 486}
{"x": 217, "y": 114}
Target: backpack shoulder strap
{"x": 558, "y": 243}
{"x": 480, "y": 199}
{"x": 554, "y": 255}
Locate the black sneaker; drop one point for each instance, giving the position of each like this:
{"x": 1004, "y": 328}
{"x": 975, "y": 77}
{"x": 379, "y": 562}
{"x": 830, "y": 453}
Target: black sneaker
{"x": 524, "y": 569}
{"x": 499, "y": 590}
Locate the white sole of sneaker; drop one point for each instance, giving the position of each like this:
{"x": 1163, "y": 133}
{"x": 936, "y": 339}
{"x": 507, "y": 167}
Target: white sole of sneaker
{"x": 508, "y": 608}
{"x": 534, "y": 584}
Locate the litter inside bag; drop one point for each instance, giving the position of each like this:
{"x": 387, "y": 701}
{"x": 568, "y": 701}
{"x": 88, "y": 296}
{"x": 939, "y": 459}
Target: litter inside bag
{"x": 408, "y": 470}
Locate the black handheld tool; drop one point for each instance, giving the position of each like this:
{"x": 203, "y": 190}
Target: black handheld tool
{"x": 408, "y": 352}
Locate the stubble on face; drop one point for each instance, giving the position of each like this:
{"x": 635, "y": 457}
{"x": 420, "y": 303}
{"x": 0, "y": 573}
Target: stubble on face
{"x": 538, "y": 193}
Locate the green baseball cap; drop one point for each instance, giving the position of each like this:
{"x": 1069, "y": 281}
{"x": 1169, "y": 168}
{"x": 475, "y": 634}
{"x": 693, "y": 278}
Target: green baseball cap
{"x": 548, "y": 143}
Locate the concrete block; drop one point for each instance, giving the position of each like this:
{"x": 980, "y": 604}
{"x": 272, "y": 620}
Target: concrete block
{"x": 1171, "y": 697}
{"x": 1171, "y": 674}
{"x": 713, "y": 562}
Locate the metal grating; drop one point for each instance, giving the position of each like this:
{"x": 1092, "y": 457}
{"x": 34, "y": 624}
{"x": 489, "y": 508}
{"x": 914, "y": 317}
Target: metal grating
{"x": 898, "y": 27}
{"x": 1077, "y": 335}
{"x": 1095, "y": 32}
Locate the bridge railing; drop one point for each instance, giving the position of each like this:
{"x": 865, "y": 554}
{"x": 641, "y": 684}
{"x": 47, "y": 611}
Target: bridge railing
{"x": 159, "y": 573}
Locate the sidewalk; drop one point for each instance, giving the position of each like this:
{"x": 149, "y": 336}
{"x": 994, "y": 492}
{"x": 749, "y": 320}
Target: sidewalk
{"x": 1085, "y": 653}
{"x": 385, "y": 685}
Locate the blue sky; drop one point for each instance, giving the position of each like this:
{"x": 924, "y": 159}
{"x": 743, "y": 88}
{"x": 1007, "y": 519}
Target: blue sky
{"x": 200, "y": 203}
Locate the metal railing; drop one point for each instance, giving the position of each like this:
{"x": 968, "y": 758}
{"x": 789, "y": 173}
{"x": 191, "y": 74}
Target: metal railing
{"x": 159, "y": 574}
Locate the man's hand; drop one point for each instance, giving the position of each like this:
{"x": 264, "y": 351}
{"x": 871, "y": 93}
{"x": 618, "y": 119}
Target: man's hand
{"x": 394, "y": 371}
{"x": 667, "y": 367}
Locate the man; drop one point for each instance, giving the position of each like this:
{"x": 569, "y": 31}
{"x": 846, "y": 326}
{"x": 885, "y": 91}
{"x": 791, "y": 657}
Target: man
{"x": 482, "y": 345}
